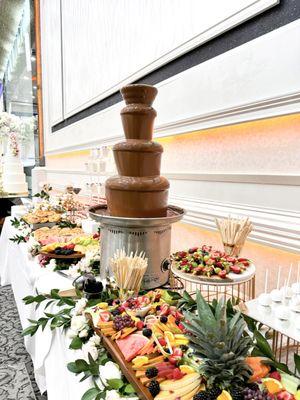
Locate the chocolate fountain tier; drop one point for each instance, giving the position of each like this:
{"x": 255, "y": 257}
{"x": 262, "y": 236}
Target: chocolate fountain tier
{"x": 139, "y": 94}
{"x": 137, "y": 197}
{"x": 138, "y": 158}
{"x": 138, "y": 115}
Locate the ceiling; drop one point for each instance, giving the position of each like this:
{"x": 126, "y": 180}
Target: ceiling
{"x": 10, "y": 16}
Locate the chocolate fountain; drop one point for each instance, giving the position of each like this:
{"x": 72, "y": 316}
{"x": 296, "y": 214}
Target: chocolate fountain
{"x": 137, "y": 216}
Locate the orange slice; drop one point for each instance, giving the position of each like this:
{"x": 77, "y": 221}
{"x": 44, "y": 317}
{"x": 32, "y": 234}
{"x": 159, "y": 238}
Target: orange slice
{"x": 272, "y": 385}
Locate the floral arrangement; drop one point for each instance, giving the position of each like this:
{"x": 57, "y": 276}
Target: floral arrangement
{"x": 9, "y": 123}
{"x": 88, "y": 264}
{"x": 13, "y": 144}
{"x": 24, "y": 231}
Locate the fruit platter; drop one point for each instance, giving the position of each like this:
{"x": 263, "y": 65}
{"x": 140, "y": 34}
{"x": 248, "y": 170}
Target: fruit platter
{"x": 206, "y": 264}
{"x": 46, "y": 235}
{"x": 75, "y": 248}
{"x": 167, "y": 352}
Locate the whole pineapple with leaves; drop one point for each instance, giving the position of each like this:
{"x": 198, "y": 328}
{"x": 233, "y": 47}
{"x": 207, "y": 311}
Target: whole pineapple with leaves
{"x": 220, "y": 341}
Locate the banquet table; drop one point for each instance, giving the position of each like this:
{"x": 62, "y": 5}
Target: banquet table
{"x": 48, "y": 349}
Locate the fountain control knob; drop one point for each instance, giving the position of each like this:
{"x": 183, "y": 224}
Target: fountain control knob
{"x": 165, "y": 265}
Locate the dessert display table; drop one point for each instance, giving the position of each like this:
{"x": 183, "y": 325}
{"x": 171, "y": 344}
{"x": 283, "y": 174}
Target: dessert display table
{"x": 285, "y": 333}
{"x": 48, "y": 349}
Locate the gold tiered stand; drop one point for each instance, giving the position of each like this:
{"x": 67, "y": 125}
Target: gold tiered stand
{"x": 241, "y": 289}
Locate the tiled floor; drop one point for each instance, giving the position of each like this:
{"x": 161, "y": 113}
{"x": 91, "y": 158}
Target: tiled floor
{"x": 16, "y": 369}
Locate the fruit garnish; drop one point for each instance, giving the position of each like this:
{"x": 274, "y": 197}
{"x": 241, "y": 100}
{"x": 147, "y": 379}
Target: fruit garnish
{"x": 224, "y": 395}
{"x": 275, "y": 375}
{"x": 169, "y": 336}
{"x": 139, "y": 361}
{"x": 154, "y": 388}
{"x": 140, "y": 325}
{"x": 272, "y": 385}
{"x": 186, "y": 369}
{"x": 177, "y": 374}
{"x": 147, "y": 332}
{"x": 123, "y": 321}
{"x": 103, "y": 305}
{"x": 151, "y": 372}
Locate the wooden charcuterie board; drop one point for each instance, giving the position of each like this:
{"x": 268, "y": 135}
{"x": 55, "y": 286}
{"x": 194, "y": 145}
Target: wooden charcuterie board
{"x": 126, "y": 367}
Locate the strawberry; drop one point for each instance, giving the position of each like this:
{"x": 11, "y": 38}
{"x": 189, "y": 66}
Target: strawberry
{"x": 140, "y": 325}
{"x": 182, "y": 254}
{"x": 177, "y": 352}
{"x": 222, "y": 274}
{"x": 173, "y": 360}
{"x": 235, "y": 269}
{"x": 162, "y": 342}
{"x": 284, "y": 395}
{"x": 275, "y": 375}
{"x": 164, "y": 309}
{"x": 193, "y": 250}
{"x": 104, "y": 316}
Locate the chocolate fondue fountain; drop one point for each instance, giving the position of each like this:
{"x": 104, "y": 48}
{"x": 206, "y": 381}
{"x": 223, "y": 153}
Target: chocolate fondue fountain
{"x": 137, "y": 216}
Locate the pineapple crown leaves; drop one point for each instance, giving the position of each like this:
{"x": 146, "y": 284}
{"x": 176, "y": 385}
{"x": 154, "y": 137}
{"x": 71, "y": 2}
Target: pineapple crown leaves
{"x": 218, "y": 336}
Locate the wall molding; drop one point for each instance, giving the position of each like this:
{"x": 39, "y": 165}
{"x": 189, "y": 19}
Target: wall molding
{"x": 267, "y": 108}
{"x": 264, "y": 179}
{"x": 272, "y": 227}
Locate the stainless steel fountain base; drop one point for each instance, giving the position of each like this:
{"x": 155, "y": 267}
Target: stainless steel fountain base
{"x": 151, "y": 235}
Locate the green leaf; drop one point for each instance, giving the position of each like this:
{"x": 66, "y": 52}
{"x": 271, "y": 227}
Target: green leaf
{"x": 68, "y": 301}
{"x": 115, "y": 383}
{"x": 76, "y": 343}
{"x": 54, "y": 294}
{"x": 297, "y": 362}
{"x": 129, "y": 389}
{"x": 90, "y": 394}
{"x": 73, "y": 368}
{"x": 31, "y": 330}
{"x": 82, "y": 365}
{"x": 263, "y": 345}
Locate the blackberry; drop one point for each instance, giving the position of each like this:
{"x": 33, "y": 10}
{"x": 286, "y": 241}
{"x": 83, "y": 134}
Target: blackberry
{"x": 158, "y": 308}
{"x": 163, "y": 319}
{"x": 154, "y": 388}
{"x": 147, "y": 332}
{"x": 151, "y": 372}
{"x": 237, "y": 393}
{"x": 110, "y": 302}
{"x": 214, "y": 392}
{"x": 115, "y": 312}
{"x": 204, "y": 395}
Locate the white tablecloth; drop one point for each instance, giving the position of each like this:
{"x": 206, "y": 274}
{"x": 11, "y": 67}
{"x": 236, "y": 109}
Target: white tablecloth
{"x": 48, "y": 349}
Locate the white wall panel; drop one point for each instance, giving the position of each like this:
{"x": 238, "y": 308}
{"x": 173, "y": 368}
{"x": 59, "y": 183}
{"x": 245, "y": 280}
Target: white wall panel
{"x": 257, "y": 80}
{"x": 107, "y": 43}
{"x": 51, "y": 61}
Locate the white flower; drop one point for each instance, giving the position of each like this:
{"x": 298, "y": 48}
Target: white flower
{"x": 109, "y": 371}
{"x": 80, "y": 306}
{"x": 89, "y": 348}
{"x": 32, "y": 242}
{"x": 95, "y": 339}
{"x": 52, "y": 263}
{"x": 78, "y": 323}
{"x": 71, "y": 334}
{"x": 112, "y": 395}
{"x": 84, "y": 333}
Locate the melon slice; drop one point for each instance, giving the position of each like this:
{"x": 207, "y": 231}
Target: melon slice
{"x": 131, "y": 345}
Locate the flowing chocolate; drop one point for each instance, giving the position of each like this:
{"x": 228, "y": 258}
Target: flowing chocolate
{"x": 139, "y": 191}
